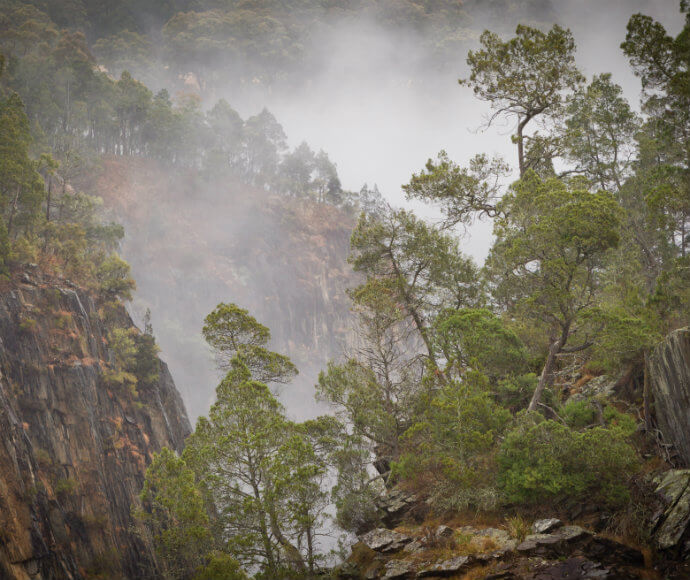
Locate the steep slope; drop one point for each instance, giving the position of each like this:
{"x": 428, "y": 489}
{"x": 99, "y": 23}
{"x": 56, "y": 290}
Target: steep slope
{"x": 194, "y": 243}
{"x": 74, "y": 445}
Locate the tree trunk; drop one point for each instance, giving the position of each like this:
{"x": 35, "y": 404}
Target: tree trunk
{"x": 293, "y": 553}
{"x": 521, "y": 144}
{"x": 50, "y": 187}
{"x": 546, "y": 377}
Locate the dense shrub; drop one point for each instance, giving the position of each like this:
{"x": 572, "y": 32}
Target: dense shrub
{"x": 451, "y": 454}
{"x": 542, "y": 460}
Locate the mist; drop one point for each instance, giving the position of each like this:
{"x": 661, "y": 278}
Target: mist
{"x": 380, "y": 104}
{"x": 380, "y": 107}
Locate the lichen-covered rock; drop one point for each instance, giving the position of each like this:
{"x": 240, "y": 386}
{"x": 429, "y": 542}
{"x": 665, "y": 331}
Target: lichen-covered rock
{"x": 669, "y": 375}
{"x": 73, "y": 446}
{"x": 394, "y": 506}
{"x": 674, "y": 489}
{"x": 396, "y": 569}
{"x": 445, "y": 568}
{"x": 603, "y": 386}
{"x": 384, "y": 540}
{"x": 546, "y": 526}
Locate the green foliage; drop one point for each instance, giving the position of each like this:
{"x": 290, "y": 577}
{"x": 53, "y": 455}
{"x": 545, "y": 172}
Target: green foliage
{"x": 263, "y": 473}
{"x": 579, "y": 414}
{"x": 551, "y": 243}
{"x": 599, "y": 137}
{"x": 476, "y": 338}
{"x": 524, "y": 77}
{"x": 21, "y": 186}
{"x": 221, "y": 566}
{"x": 122, "y": 346}
{"x": 515, "y": 392}
{"x": 450, "y": 451}
{"x": 421, "y": 267}
{"x": 28, "y": 325}
{"x": 146, "y": 364}
{"x": 235, "y": 335}
{"x": 173, "y": 515}
{"x": 114, "y": 278}
{"x": 543, "y": 461}
{"x": 463, "y": 193}
{"x": 65, "y": 487}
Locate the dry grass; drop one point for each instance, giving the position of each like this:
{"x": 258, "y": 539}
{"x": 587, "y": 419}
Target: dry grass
{"x": 518, "y": 527}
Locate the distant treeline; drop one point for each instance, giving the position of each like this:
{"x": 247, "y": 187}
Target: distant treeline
{"x": 265, "y": 40}
{"x": 77, "y": 111}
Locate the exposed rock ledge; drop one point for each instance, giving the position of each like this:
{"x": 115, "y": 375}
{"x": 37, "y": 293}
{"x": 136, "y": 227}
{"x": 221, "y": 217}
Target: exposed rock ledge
{"x": 566, "y": 551}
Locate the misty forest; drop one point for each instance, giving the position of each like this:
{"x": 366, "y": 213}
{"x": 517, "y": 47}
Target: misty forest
{"x": 382, "y": 289}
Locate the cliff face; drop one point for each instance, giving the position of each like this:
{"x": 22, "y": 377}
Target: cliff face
{"x": 73, "y": 446}
{"x": 193, "y": 243}
{"x": 670, "y": 385}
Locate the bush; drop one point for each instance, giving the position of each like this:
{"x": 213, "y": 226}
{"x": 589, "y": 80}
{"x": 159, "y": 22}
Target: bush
{"x": 541, "y": 460}
{"x": 114, "y": 278}
{"x": 451, "y": 455}
{"x": 579, "y": 414}
{"x": 28, "y": 325}
{"x": 65, "y": 486}
{"x": 221, "y": 567}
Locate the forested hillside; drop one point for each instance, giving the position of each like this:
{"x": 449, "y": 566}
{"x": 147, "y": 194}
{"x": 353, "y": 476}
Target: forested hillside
{"x": 521, "y": 418}
{"x": 265, "y": 41}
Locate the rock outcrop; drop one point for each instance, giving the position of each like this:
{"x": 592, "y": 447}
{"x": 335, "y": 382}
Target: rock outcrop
{"x": 670, "y": 523}
{"x": 669, "y": 374}
{"x": 565, "y": 551}
{"x": 73, "y": 446}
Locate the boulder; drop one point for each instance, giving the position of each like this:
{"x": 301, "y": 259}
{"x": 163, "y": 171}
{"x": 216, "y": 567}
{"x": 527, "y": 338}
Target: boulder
{"x": 539, "y": 544}
{"x": 394, "y": 506}
{"x": 546, "y": 526}
{"x": 576, "y": 568}
{"x": 383, "y": 540}
{"x": 669, "y": 380}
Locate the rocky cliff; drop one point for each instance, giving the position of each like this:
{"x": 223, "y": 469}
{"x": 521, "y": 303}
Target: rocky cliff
{"x": 73, "y": 445}
{"x": 194, "y": 242}
{"x": 670, "y": 386}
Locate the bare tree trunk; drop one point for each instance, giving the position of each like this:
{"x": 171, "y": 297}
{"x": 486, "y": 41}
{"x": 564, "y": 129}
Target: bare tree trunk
{"x": 546, "y": 377}
{"x": 50, "y": 188}
{"x": 521, "y": 144}
{"x": 13, "y": 211}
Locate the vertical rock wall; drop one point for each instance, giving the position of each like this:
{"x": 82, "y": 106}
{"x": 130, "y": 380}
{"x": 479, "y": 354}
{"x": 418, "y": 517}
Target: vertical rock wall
{"x": 670, "y": 384}
{"x": 73, "y": 447}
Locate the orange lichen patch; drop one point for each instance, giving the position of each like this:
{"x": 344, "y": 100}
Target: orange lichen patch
{"x": 25, "y": 426}
{"x": 584, "y": 379}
